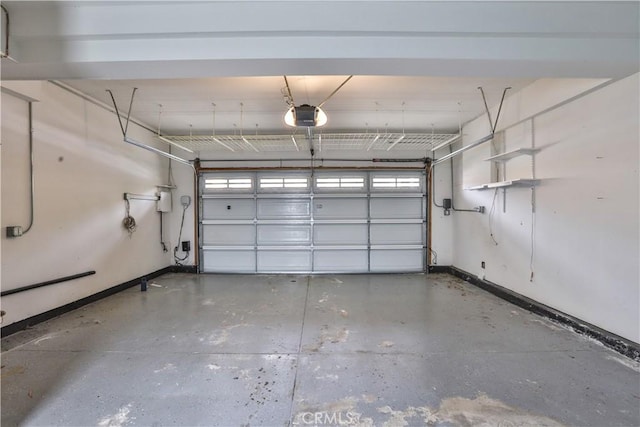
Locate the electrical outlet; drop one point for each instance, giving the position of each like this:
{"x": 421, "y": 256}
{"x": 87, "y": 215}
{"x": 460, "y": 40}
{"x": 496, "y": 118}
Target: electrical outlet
{"x": 482, "y": 264}
{"x": 185, "y": 201}
{"x": 480, "y": 209}
{"x": 186, "y": 246}
{"x": 14, "y": 231}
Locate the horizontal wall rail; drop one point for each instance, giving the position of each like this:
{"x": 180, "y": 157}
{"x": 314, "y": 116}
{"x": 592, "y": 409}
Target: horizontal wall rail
{"x": 47, "y": 283}
{"x": 132, "y": 196}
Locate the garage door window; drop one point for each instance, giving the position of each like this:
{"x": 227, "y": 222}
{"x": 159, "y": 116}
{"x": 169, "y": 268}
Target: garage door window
{"x": 225, "y": 183}
{"x": 284, "y": 182}
{"x": 395, "y": 182}
{"x": 340, "y": 182}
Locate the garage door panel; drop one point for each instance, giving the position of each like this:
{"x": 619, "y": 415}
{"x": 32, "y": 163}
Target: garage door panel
{"x": 343, "y": 208}
{"x": 278, "y": 261}
{"x": 228, "y": 209}
{"x": 229, "y": 261}
{"x": 395, "y": 207}
{"x": 383, "y": 260}
{"x": 284, "y": 235}
{"x": 341, "y": 260}
{"x": 396, "y": 234}
{"x": 340, "y": 234}
{"x": 284, "y": 208}
{"x": 334, "y": 221}
{"x": 228, "y": 234}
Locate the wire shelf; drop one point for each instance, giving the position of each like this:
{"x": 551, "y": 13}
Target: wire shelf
{"x": 321, "y": 142}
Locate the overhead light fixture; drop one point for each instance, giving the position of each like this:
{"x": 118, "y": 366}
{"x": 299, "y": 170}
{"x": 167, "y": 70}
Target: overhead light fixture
{"x": 305, "y": 115}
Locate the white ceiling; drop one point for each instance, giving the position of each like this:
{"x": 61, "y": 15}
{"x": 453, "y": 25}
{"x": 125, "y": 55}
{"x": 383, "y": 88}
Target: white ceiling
{"x": 416, "y": 64}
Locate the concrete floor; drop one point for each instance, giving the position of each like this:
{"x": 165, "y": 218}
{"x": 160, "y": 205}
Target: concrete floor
{"x": 294, "y": 350}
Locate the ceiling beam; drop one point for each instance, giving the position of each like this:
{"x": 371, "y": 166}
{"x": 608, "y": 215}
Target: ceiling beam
{"x": 172, "y": 39}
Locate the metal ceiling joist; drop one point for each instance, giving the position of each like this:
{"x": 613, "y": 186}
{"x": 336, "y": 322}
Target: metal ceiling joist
{"x": 124, "y": 127}
{"x": 493, "y": 125}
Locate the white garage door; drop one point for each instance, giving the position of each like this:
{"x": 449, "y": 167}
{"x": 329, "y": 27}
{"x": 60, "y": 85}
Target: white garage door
{"x": 320, "y": 222}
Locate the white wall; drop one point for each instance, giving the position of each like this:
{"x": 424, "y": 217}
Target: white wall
{"x": 584, "y": 234}
{"x": 82, "y": 168}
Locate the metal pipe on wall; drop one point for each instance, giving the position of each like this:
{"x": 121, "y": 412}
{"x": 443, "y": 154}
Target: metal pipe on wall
{"x": 47, "y": 283}
{"x": 453, "y": 205}
{"x": 463, "y": 149}
{"x": 97, "y": 103}
{"x": 32, "y": 186}
{"x": 428, "y": 183}
{"x": 158, "y": 151}
{"x": 125, "y": 127}
{"x": 15, "y": 230}
{"x": 489, "y": 137}
{"x": 133, "y": 196}
{"x": 5, "y": 51}
{"x": 530, "y": 117}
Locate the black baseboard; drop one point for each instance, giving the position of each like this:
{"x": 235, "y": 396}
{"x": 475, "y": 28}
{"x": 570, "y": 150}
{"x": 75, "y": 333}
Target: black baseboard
{"x": 38, "y": 318}
{"x": 613, "y": 341}
{"x": 192, "y": 269}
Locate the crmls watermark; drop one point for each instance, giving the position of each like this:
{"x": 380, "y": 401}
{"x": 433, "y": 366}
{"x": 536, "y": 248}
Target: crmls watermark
{"x": 324, "y": 418}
